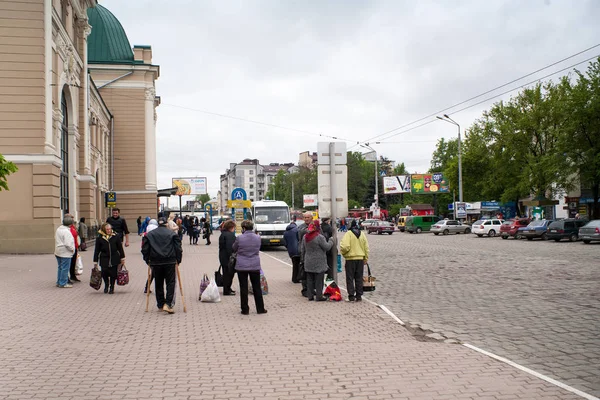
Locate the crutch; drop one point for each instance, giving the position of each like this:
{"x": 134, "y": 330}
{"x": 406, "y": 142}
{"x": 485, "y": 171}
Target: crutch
{"x": 148, "y": 284}
{"x": 180, "y": 287}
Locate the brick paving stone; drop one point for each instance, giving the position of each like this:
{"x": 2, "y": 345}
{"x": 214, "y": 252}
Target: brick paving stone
{"x": 84, "y": 344}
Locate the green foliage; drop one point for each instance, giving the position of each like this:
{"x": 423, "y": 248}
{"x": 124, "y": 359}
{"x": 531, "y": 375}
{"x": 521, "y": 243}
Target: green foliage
{"x": 203, "y": 198}
{"x": 6, "y": 168}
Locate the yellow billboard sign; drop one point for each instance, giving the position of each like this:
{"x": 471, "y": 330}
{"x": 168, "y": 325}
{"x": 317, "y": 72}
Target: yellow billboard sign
{"x": 239, "y": 203}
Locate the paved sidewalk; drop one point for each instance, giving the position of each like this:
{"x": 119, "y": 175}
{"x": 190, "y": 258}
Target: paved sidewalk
{"x": 83, "y": 344}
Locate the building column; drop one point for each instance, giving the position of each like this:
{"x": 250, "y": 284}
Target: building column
{"x": 150, "y": 140}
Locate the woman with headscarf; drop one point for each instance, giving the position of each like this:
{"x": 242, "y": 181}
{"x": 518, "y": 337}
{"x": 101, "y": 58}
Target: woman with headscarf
{"x": 313, "y": 250}
{"x": 108, "y": 254}
{"x": 355, "y": 249}
{"x": 144, "y": 226}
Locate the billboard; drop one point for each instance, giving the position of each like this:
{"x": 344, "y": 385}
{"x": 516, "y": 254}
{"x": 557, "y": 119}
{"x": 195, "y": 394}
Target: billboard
{"x": 310, "y": 200}
{"x": 189, "y": 186}
{"x": 396, "y": 184}
{"x": 435, "y": 182}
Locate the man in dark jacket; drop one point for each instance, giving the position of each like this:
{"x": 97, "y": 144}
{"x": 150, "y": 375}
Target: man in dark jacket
{"x": 162, "y": 251}
{"x": 291, "y": 242}
{"x": 226, "y": 240}
{"x": 328, "y": 232}
{"x": 119, "y": 225}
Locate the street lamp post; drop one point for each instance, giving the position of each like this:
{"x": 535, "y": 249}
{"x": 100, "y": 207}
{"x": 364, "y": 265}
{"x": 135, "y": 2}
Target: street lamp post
{"x": 366, "y": 146}
{"x": 460, "y": 183}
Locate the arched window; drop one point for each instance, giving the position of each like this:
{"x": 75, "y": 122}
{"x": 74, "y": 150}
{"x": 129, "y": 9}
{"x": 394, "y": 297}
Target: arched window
{"x": 64, "y": 156}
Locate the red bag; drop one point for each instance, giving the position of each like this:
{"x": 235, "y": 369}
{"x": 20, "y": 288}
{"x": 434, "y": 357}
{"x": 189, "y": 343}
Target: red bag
{"x": 122, "y": 276}
{"x": 332, "y": 292}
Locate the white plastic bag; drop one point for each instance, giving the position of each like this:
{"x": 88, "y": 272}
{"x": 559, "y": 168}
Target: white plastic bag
{"x": 79, "y": 266}
{"x": 211, "y": 293}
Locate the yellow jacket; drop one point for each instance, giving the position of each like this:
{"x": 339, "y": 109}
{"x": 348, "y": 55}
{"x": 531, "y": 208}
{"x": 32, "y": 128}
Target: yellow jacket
{"x": 354, "y": 248}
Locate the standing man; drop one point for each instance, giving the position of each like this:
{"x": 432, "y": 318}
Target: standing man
{"x": 64, "y": 249}
{"x": 355, "y": 249}
{"x": 328, "y": 231}
{"x": 161, "y": 249}
{"x": 307, "y": 217}
{"x": 119, "y": 225}
{"x": 291, "y": 243}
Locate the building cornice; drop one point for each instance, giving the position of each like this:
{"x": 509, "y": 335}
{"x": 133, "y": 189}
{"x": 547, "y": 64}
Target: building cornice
{"x": 34, "y": 159}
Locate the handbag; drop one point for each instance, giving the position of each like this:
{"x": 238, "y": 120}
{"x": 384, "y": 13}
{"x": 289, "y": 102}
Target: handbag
{"x": 83, "y": 246}
{"x": 203, "y": 285}
{"x": 232, "y": 261}
{"x": 219, "y": 276}
{"x": 122, "y": 276}
{"x": 96, "y": 278}
{"x": 79, "y": 265}
{"x": 368, "y": 281}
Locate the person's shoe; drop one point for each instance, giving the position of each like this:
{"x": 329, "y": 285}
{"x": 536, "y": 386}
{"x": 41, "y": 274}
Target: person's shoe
{"x": 68, "y": 285}
{"x": 262, "y": 312}
{"x": 168, "y": 309}
{"x": 111, "y": 291}
{"x": 75, "y": 279}
{"x": 293, "y": 281}
{"x": 245, "y": 312}
{"x": 311, "y": 299}
{"x": 358, "y": 298}
{"x": 69, "y": 282}
{"x": 322, "y": 299}
{"x": 232, "y": 293}
{"x": 350, "y": 298}
{"x": 106, "y": 289}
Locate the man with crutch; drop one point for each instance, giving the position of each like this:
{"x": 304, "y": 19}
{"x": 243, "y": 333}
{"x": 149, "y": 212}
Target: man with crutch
{"x": 162, "y": 252}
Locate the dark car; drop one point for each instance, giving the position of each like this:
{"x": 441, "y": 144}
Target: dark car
{"x": 381, "y": 227}
{"x": 590, "y": 232}
{"x": 511, "y": 227}
{"x": 565, "y": 229}
{"x": 536, "y": 229}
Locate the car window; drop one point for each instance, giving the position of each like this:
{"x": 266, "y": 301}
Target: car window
{"x": 580, "y": 223}
{"x": 451, "y": 223}
{"x": 478, "y": 222}
{"x": 487, "y": 223}
{"x": 427, "y": 219}
{"x": 496, "y": 222}
{"x": 537, "y": 223}
{"x": 593, "y": 224}
{"x": 507, "y": 223}
{"x": 569, "y": 225}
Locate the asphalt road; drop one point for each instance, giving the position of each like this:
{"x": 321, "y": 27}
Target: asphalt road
{"x": 535, "y": 303}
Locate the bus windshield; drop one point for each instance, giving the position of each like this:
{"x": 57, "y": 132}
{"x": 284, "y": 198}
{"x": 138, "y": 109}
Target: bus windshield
{"x": 272, "y": 215}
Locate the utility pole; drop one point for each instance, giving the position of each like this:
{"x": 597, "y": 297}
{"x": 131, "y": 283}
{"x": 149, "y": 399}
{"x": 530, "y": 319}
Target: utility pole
{"x": 292, "y": 195}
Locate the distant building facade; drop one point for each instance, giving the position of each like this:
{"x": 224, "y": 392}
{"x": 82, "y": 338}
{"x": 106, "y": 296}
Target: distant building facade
{"x": 77, "y": 118}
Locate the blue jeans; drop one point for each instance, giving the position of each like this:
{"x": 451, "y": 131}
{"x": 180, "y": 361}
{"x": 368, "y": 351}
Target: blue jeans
{"x": 64, "y": 263}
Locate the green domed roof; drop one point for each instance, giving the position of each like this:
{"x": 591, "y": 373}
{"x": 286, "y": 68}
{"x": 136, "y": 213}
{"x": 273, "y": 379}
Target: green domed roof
{"x": 108, "y": 42}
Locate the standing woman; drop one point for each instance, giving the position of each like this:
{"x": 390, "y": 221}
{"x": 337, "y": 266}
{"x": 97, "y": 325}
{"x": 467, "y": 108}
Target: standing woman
{"x": 139, "y": 225}
{"x": 207, "y": 230}
{"x": 313, "y": 250}
{"x": 247, "y": 246}
{"x": 83, "y": 233}
{"x": 108, "y": 253}
{"x": 75, "y": 234}
{"x": 226, "y": 241}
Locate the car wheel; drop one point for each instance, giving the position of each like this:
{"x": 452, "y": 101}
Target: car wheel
{"x": 419, "y": 230}
{"x": 379, "y": 232}
{"x": 544, "y": 236}
{"x": 479, "y": 235}
{"x": 587, "y": 241}
{"x": 435, "y": 233}
{"x": 557, "y": 240}
{"x": 518, "y": 237}
{"x": 504, "y": 237}
{"x": 573, "y": 237}
{"x": 467, "y": 231}
{"x": 446, "y": 232}
{"x": 492, "y": 233}
{"x": 529, "y": 238}
{"x": 390, "y": 232}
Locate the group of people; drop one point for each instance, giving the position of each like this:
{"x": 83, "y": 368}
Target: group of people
{"x": 310, "y": 249}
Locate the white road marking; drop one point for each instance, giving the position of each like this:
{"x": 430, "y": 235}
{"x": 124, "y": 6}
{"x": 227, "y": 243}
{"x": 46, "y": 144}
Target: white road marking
{"x": 391, "y": 314}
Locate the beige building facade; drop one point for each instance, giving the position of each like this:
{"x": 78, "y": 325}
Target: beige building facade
{"x": 77, "y": 116}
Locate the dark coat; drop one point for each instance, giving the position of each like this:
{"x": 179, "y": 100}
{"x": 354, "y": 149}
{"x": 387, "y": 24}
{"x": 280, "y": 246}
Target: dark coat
{"x": 108, "y": 250}
{"x": 162, "y": 246}
{"x": 291, "y": 239}
{"x": 226, "y": 241}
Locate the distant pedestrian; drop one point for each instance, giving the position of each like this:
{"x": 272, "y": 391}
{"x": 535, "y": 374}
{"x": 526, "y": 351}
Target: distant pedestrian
{"x": 247, "y": 246}
{"x": 313, "y": 251}
{"x": 207, "y": 229}
{"x": 144, "y": 226}
{"x": 108, "y": 254}
{"x": 226, "y": 241}
{"x": 73, "y": 276}
{"x": 64, "y": 248}
{"x": 119, "y": 225}
{"x": 162, "y": 251}
{"x": 82, "y": 229}
{"x": 355, "y": 249}
{"x": 139, "y": 225}
{"x": 293, "y": 247}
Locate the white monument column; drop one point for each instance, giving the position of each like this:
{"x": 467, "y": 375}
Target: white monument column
{"x": 150, "y": 139}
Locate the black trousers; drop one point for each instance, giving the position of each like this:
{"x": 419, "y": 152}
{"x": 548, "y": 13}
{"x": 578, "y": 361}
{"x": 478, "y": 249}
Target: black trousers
{"x": 314, "y": 284}
{"x": 255, "y": 281}
{"x": 354, "y": 278}
{"x": 295, "y": 268}
{"x": 73, "y": 264}
{"x": 164, "y": 274}
{"x": 109, "y": 275}
{"x": 228, "y": 274}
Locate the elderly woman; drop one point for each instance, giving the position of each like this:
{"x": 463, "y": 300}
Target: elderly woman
{"x": 108, "y": 254}
{"x": 313, "y": 250}
{"x": 64, "y": 250}
{"x": 226, "y": 241}
{"x": 247, "y": 246}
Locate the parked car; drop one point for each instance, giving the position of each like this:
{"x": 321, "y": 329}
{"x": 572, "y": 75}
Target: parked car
{"x": 565, "y": 229}
{"x": 489, "y": 227}
{"x": 590, "y": 232}
{"x": 447, "y": 226}
{"x": 536, "y": 229}
{"x": 511, "y": 227}
{"x": 420, "y": 223}
{"x": 381, "y": 227}
{"x": 367, "y": 222}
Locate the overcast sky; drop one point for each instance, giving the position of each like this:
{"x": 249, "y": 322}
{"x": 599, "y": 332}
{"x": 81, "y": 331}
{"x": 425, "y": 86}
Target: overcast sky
{"x": 347, "y": 69}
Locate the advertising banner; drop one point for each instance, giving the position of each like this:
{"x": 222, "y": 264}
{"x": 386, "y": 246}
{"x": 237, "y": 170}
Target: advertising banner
{"x": 310, "y": 200}
{"x": 396, "y": 184}
{"x": 461, "y": 210}
{"x": 429, "y": 183}
{"x": 189, "y": 186}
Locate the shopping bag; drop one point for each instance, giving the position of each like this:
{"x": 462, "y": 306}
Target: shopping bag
{"x": 203, "y": 285}
{"x": 211, "y": 293}
{"x": 96, "y": 278}
{"x": 332, "y": 292}
{"x": 219, "y": 276}
{"x": 368, "y": 281}
{"x": 232, "y": 261}
{"x": 264, "y": 286}
{"x": 79, "y": 265}
{"x": 122, "y": 276}
{"x": 83, "y": 246}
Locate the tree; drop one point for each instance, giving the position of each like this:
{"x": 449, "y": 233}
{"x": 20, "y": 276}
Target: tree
{"x": 6, "y": 168}
{"x": 203, "y": 198}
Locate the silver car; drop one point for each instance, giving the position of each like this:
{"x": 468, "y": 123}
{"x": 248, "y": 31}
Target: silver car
{"x": 590, "y": 232}
{"x": 447, "y": 226}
